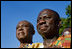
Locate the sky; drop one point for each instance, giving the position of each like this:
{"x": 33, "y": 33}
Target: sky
{"x": 14, "y": 11}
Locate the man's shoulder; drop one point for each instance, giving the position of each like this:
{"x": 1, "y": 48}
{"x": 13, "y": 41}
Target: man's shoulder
{"x": 36, "y": 45}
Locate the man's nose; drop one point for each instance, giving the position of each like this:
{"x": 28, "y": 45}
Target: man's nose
{"x": 42, "y": 22}
{"x": 20, "y": 29}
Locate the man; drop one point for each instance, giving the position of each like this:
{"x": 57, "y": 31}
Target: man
{"x": 66, "y": 38}
{"x": 24, "y": 33}
{"x": 48, "y": 27}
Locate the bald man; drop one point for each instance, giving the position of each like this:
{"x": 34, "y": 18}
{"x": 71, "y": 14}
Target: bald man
{"x": 48, "y": 23}
{"x": 24, "y": 33}
{"x": 48, "y": 27}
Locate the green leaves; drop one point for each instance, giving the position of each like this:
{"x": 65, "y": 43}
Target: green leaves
{"x": 68, "y": 10}
{"x": 65, "y": 22}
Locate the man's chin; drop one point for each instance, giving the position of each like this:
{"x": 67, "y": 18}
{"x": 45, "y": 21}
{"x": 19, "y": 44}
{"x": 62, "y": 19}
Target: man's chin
{"x": 21, "y": 37}
{"x": 44, "y": 32}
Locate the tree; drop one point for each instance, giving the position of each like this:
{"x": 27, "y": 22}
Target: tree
{"x": 68, "y": 10}
{"x": 66, "y": 22}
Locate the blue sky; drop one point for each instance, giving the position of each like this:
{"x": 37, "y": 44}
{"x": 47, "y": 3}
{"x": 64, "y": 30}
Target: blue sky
{"x": 14, "y": 11}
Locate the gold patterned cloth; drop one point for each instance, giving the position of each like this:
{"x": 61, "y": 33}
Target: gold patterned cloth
{"x": 61, "y": 42}
{"x": 34, "y": 45}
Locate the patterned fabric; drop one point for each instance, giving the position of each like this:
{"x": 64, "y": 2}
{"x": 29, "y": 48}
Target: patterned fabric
{"x": 61, "y": 42}
{"x": 66, "y": 41}
{"x": 34, "y": 45}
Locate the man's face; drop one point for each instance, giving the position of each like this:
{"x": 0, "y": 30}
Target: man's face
{"x": 22, "y": 30}
{"x": 67, "y": 31}
{"x": 46, "y": 22}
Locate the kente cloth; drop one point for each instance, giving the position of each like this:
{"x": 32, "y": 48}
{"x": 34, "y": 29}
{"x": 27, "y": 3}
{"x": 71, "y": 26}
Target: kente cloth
{"x": 61, "y": 42}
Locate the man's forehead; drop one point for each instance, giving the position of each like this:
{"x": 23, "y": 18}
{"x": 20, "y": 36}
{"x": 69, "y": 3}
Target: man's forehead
{"x": 23, "y": 23}
{"x": 44, "y": 14}
{"x": 47, "y": 14}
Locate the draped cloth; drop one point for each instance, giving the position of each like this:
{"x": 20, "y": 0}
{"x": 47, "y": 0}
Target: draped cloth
{"x": 61, "y": 42}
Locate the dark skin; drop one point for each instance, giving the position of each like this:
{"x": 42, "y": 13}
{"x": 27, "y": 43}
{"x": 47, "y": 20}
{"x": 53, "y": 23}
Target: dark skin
{"x": 24, "y": 33}
{"x": 48, "y": 26}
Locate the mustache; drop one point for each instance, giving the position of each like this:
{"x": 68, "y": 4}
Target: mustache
{"x": 20, "y": 33}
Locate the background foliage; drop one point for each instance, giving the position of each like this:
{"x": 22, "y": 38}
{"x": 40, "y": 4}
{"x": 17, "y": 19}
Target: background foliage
{"x": 65, "y": 22}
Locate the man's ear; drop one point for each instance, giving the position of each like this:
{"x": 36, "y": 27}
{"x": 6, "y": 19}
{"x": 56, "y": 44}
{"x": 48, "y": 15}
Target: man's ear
{"x": 59, "y": 23}
{"x": 33, "y": 32}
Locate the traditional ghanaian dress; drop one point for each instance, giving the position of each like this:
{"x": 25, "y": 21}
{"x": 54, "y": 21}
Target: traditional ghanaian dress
{"x": 61, "y": 42}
